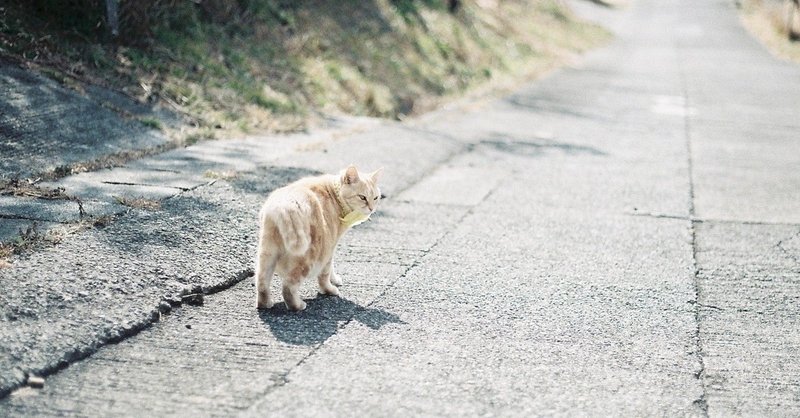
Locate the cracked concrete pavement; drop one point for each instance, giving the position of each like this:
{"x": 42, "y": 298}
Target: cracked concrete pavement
{"x": 619, "y": 238}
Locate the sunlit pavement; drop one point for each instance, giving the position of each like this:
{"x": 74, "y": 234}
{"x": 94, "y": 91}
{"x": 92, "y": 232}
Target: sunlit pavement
{"x": 621, "y": 237}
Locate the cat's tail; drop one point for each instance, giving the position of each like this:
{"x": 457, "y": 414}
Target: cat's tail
{"x": 295, "y": 230}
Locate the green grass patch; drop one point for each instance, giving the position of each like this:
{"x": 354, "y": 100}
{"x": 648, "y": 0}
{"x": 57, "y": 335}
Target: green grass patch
{"x": 152, "y": 123}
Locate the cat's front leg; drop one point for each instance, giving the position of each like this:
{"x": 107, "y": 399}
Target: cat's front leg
{"x": 335, "y": 278}
{"x": 325, "y": 279}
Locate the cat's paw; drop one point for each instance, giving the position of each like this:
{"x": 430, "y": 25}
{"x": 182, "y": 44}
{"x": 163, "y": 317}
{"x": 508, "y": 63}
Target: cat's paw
{"x": 301, "y": 306}
{"x": 265, "y": 305}
{"x": 330, "y": 290}
{"x": 336, "y": 279}
{"x": 263, "y": 302}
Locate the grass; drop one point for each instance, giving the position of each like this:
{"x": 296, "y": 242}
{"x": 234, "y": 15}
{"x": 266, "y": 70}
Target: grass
{"x": 776, "y": 24}
{"x": 273, "y": 65}
{"x": 152, "y": 123}
{"x": 31, "y": 238}
{"x": 26, "y": 240}
{"x": 6, "y": 251}
{"x": 221, "y": 175}
{"x": 29, "y": 188}
{"x": 138, "y": 202}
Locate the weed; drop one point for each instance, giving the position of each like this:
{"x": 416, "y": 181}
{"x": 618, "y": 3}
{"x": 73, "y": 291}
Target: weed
{"x": 196, "y": 135}
{"x": 26, "y": 240}
{"x": 152, "y": 123}
{"x": 31, "y": 238}
{"x": 265, "y": 102}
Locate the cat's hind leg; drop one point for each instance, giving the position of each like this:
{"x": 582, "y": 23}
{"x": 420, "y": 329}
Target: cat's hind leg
{"x": 265, "y": 268}
{"x": 291, "y": 285}
{"x": 291, "y": 290}
{"x": 325, "y": 278}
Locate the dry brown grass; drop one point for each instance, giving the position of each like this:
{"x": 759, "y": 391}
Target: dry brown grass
{"x": 6, "y": 251}
{"x": 776, "y": 24}
{"x": 27, "y": 240}
{"x": 221, "y": 175}
{"x": 28, "y": 188}
{"x": 138, "y": 202}
{"x": 32, "y": 238}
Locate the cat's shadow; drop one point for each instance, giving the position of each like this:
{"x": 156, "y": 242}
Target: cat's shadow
{"x": 321, "y": 319}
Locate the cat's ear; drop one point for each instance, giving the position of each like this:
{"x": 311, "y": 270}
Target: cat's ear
{"x": 350, "y": 175}
{"x": 375, "y": 175}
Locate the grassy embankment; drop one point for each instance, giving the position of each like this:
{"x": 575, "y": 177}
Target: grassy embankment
{"x": 776, "y": 23}
{"x": 274, "y": 65}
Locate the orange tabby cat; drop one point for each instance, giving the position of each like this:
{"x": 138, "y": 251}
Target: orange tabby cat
{"x": 300, "y": 225}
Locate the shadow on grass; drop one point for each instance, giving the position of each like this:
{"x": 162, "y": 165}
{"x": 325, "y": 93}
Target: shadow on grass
{"x": 321, "y": 319}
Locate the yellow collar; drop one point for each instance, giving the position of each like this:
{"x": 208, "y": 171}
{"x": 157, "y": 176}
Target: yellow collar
{"x": 351, "y": 217}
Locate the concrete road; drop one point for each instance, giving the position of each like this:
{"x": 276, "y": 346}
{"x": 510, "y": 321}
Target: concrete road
{"x": 619, "y": 238}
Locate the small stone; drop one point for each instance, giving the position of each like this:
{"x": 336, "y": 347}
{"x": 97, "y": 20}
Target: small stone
{"x": 164, "y": 307}
{"x": 194, "y": 299}
{"x": 188, "y": 326}
{"x": 35, "y": 381}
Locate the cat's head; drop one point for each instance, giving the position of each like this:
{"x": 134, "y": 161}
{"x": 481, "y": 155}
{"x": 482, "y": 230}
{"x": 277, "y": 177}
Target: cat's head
{"x": 359, "y": 190}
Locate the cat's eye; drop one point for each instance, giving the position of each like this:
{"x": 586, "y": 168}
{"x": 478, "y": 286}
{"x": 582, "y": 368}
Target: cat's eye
{"x": 362, "y": 197}
{"x": 376, "y": 198}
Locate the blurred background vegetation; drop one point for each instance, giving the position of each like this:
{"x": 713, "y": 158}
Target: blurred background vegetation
{"x": 776, "y": 23}
{"x": 238, "y": 66}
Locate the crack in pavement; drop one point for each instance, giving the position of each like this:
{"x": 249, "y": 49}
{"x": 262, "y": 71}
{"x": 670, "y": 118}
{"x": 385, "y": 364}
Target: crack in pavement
{"x": 136, "y": 327}
{"x": 182, "y": 189}
{"x": 702, "y": 401}
{"x": 658, "y": 215}
{"x": 781, "y": 247}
